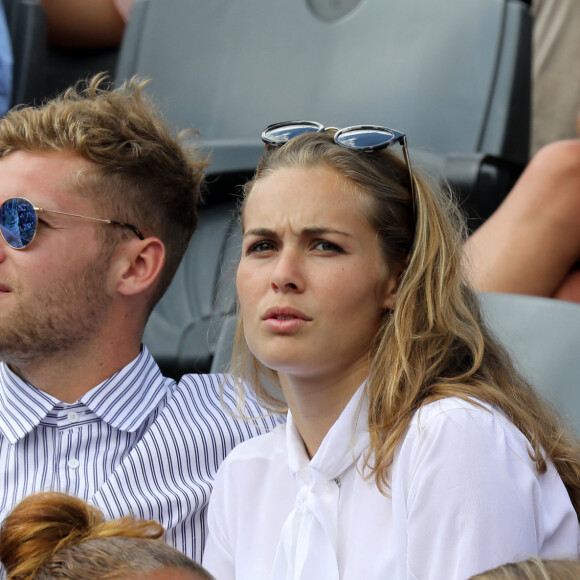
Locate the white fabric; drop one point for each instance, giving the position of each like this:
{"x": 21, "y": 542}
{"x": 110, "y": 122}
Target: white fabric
{"x": 137, "y": 443}
{"x": 315, "y": 517}
{"x": 465, "y": 497}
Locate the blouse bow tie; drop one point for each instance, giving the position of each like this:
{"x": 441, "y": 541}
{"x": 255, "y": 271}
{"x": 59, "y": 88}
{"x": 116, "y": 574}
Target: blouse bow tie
{"x": 308, "y": 544}
{"x": 308, "y": 547}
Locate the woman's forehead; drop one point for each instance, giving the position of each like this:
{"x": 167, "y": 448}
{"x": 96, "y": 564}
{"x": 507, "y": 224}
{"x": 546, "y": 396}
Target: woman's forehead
{"x": 316, "y": 193}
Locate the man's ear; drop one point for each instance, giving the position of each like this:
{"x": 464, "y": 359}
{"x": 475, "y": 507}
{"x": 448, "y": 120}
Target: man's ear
{"x": 139, "y": 265}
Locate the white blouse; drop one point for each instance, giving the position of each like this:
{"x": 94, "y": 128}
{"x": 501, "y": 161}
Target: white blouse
{"x": 465, "y": 497}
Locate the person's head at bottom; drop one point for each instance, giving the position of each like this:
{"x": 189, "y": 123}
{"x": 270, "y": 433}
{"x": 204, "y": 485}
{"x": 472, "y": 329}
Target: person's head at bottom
{"x": 534, "y": 569}
{"x": 55, "y": 535}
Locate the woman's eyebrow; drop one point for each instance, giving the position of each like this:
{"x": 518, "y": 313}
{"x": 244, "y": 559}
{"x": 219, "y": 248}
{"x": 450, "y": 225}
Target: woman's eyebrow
{"x": 307, "y": 231}
{"x": 318, "y": 230}
{"x": 260, "y": 232}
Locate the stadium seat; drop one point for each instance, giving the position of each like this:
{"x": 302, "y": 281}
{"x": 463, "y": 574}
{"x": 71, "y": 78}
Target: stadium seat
{"x": 184, "y": 327}
{"x": 543, "y": 335}
{"x": 224, "y": 345}
{"x": 27, "y": 24}
{"x": 453, "y": 75}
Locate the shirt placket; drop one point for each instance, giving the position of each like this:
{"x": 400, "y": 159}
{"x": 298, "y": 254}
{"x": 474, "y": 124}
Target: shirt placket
{"x": 70, "y": 436}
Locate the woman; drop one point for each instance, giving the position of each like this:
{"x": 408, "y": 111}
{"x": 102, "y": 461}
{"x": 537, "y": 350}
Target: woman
{"x": 413, "y": 449}
{"x": 51, "y": 536}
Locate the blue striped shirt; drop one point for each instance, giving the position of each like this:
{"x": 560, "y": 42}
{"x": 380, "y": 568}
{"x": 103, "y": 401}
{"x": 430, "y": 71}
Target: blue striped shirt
{"x": 138, "y": 443}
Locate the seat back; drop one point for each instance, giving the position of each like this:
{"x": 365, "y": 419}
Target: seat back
{"x": 40, "y": 70}
{"x": 184, "y": 327}
{"x": 225, "y": 345}
{"x": 543, "y": 336}
{"x": 27, "y": 24}
{"x": 229, "y": 68}
{"x": 453, "y": 75}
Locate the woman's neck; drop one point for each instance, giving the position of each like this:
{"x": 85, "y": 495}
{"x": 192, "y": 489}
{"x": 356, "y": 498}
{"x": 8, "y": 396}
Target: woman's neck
{"x": 316, "y": 405}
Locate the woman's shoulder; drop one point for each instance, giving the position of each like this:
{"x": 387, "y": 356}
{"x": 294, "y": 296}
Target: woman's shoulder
{"x": 468, "y": 421}
{"x": 253, "y": 462}
{"x": 458, "y": 409}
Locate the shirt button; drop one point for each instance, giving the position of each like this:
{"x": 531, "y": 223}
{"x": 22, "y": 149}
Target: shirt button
{"x": 73, "y": 417}
{"x": 73, "y": 463}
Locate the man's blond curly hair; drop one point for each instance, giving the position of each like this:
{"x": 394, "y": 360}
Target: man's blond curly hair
{"x": 144, "y": 173}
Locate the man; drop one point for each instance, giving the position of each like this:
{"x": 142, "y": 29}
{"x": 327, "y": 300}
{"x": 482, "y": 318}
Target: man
{"x": 98, "y": 203}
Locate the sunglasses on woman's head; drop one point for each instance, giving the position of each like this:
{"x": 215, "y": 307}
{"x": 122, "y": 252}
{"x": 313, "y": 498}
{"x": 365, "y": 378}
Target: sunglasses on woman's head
{"x": 19, "y": 222}
{"x": 360, "y": 137}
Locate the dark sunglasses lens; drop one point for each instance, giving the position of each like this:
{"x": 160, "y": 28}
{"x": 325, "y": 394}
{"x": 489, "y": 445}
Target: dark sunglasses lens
{"x": 366, "y": 139}
{"x": 17, "y": 222}
{"x": 280, "y": 134}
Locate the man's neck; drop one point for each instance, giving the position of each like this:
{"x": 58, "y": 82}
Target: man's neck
{"x": 68, "y": 376}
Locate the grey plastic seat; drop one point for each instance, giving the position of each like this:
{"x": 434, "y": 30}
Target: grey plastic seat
{"x": 183, "y": 329}
{"x": 543, "y": 335}
{"x": 224, "y": 345}
{"x": 41, "y": 71}
{"x": 453, "y": 75}
{"x": 27, "y": 25}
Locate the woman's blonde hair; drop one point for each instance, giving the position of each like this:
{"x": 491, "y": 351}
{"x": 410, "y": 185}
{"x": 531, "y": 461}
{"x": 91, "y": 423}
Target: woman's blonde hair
{"x": 534, "y": 569}
{"x": 434, "y": 344}
{"x": 51, "y": 536}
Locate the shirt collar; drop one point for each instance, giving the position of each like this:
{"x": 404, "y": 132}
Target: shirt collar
{"x": 22, "y": 406}
{"x": 128, "y": 397}
{"x": 124, "y": 400}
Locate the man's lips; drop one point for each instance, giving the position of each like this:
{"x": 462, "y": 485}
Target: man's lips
{"x": 5, "y": 287}
{"x": 284, "y": 313}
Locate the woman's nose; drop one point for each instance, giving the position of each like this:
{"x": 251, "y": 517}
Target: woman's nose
{"x": 287, "y": 274}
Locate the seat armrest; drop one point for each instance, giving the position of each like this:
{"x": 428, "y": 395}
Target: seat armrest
{"x": 480, "y": 182}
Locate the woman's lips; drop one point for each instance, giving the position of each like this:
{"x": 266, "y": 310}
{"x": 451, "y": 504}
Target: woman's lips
{"x": 284, "y": 319}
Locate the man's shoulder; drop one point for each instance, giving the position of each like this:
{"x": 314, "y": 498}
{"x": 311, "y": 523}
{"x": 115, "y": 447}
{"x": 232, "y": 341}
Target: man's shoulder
{"x": 181, "y": 451}
{"x": 208, "y": 401}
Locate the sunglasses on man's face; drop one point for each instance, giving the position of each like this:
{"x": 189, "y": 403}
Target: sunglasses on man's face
{"x": 19, "y": 222}
{"x": 361, "y": 137}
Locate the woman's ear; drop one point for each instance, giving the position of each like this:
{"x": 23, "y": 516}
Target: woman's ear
{"x": 140, "y": 263}
{"x": 396, "y": 274}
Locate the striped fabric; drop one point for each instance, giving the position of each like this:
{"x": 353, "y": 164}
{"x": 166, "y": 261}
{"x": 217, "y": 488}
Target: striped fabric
{"x": 137, "y": 443}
